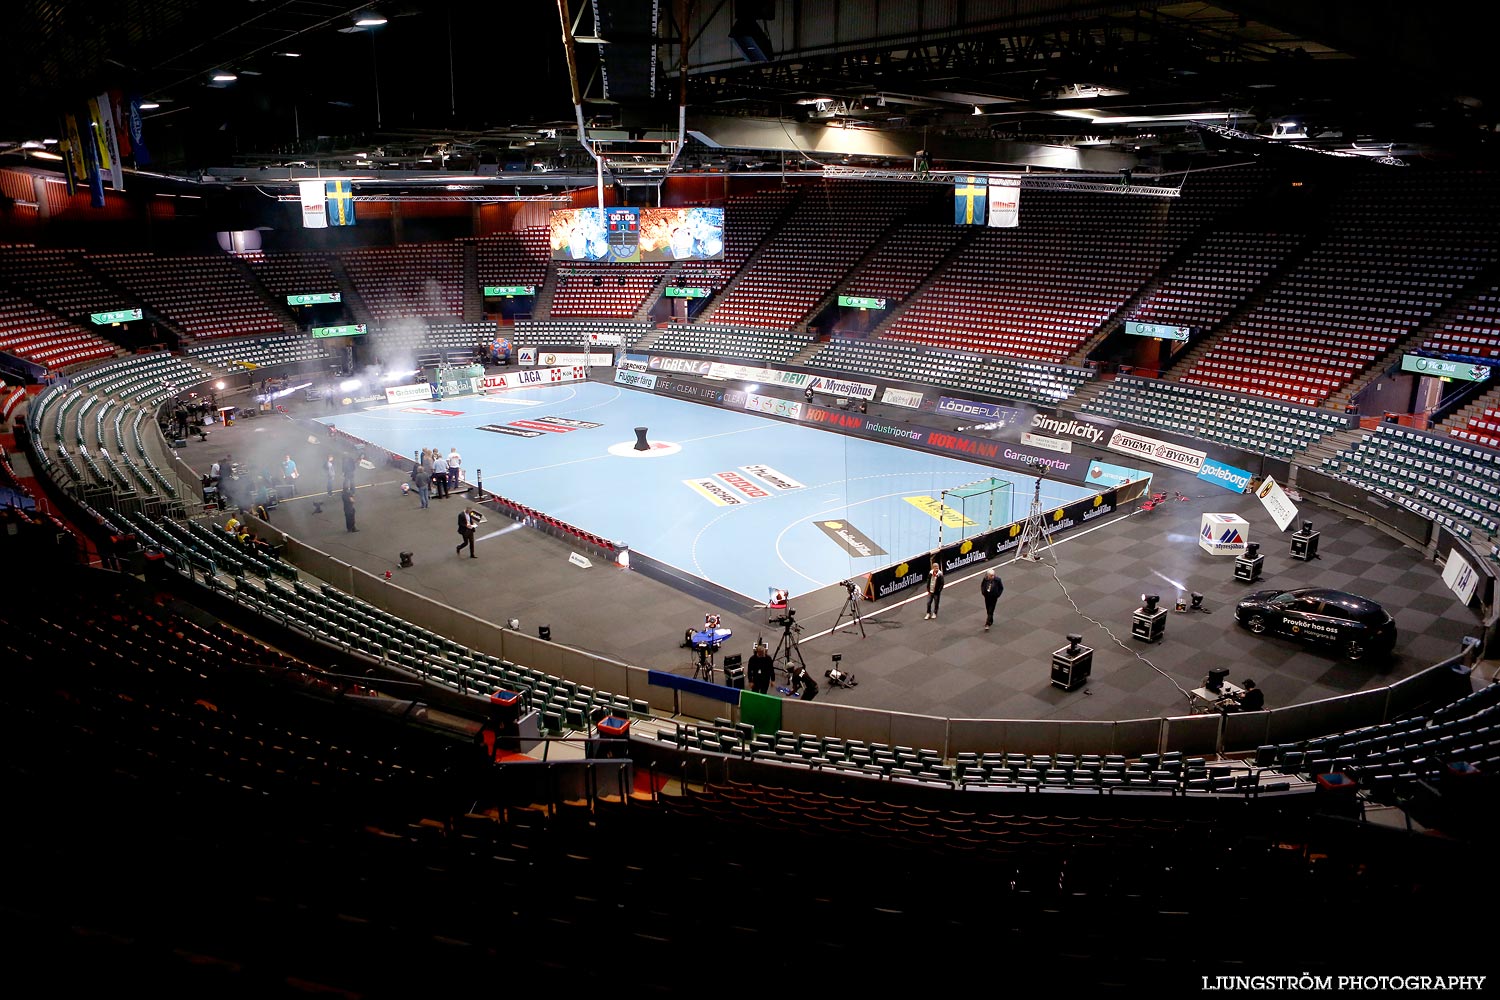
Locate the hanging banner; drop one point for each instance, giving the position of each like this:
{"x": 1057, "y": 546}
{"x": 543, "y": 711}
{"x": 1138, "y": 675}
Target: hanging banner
{"x": 137, "y": 133}
{"x": 340, "y": 208}
{"x": 314, "y": 205}
{"x": 970, "y": 195}
{"x": 1005, "y": 202}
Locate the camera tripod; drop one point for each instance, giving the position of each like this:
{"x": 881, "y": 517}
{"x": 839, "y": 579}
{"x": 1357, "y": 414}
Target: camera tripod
{"x": 786, "y": 646}
{"x": 1036, "y": 535}
{"x": 851, "y": 611}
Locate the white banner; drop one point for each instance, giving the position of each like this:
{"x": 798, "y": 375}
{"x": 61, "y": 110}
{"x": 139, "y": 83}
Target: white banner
{"x": 407, "y": 393}
{"x": 902, "y": 397}
{"x": 594, "y": 359}
{"x": 1005, "y": 202}
{"x": 1274, "y": 499}
{"x": 606, "y": 339}
{"x": 314, "y": 205}
{"x": 744, "y": 373}
{"x": 770, "y": 404}
{"x": 526, "y": 356}
{"x": 532, "y": 379}
{"x": 1460, "y": 577}
{"x": 1050, "y": 444}
{"x": 842, "y": 387}
{"x": 1140, "y": 446}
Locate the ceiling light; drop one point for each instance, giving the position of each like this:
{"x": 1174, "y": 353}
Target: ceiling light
{"x": 250, "y": 72}
{"x": 224, "y": 76}
{"x": 590, "y": 40}
{"x": 977, "y": 111}
{"x": 149, "y": 105}
{"x": 369, "y": 19}
{"x": 49, "y": 142}
{"x": 289, "y": 55}
{"x": 45, "y": 155}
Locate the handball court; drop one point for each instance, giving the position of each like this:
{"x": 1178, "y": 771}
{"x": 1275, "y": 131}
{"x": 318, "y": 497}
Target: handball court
{"x": 945, "y": 667}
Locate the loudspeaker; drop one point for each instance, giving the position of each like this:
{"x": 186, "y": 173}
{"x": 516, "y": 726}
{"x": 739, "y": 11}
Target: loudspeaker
{"x": 753, "y": 43}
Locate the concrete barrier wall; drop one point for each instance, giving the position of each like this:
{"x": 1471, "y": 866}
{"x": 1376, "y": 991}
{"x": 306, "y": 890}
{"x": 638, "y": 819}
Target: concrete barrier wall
{"x": 1194, "y": 734}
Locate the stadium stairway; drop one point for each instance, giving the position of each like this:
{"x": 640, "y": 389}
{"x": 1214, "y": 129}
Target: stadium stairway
{"x": 857, "y": 268}
{"x": 773, "y": 231}
{"x": 1449, "y": 313}
{"x": 1189, "y": 359}
{"x": 541, "y": 306}
{"x": 278, "y": 307}
{"x": 1459, "y": 419}
{"x": 938, "y": 270}
{"x": 352, "y": 300}
{"x": 669, "y": 277}
{"x": 473, "y": 294}
{"x": 1314, "y": 455}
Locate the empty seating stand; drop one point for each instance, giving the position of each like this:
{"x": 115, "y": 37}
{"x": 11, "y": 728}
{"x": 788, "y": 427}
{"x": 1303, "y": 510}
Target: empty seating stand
{"x": 1452, "y": 482}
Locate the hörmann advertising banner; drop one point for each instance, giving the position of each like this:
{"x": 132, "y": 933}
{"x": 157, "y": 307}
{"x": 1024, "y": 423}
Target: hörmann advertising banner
{"x": 1153, "y": 450}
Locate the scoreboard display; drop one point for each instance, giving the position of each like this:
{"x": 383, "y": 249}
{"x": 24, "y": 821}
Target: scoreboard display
{"x": 627, "y": 235}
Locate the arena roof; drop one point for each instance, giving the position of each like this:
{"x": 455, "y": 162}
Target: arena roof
{"x": 444, "y": 85}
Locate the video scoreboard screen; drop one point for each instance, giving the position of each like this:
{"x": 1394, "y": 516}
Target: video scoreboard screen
{"x": 628, "y": 235}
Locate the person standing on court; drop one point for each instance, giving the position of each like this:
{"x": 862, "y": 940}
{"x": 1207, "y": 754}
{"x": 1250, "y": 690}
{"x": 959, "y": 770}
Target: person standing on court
{"x": 991, "y": 587}
{"x": 934, "y": 590}
{"x": 468, "y": 520}
{"x": 454, "y": 469}
{"x": 349, "y": 509}
{"x": 330, "y": 468}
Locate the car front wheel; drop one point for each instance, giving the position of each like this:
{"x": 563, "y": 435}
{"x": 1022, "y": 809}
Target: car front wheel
{"x": 1256, "y": 623}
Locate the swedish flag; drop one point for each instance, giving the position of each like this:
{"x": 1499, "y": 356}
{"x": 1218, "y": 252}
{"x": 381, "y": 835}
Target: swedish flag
{"x": 970, "y": 196}
{"x": 341, "y": 203}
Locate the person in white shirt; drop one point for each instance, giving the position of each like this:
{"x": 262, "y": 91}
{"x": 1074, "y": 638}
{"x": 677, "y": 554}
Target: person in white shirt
{"x": 454, "y": 464}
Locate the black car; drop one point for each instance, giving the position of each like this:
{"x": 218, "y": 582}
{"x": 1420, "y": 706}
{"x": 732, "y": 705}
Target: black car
{"x": 1356, "y": 625}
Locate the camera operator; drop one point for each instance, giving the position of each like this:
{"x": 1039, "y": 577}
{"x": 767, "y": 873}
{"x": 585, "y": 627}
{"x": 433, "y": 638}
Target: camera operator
{"x": 803, "y": 685}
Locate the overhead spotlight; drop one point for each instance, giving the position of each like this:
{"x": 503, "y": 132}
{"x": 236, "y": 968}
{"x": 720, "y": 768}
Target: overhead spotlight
{"x": 977, "y": 111}
{"x": 368, "y": 19}
{"x": 289, "y": 55}
{"x": 149, "y": 105}
{"x": 224, "y": 76}
{"x": 219, "y": 385}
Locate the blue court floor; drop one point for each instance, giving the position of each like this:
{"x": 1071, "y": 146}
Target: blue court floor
{"x": 743, "y": 501}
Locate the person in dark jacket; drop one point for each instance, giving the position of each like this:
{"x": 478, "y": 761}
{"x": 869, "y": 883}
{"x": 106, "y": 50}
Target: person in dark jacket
{"x": 991, "y": 587}
{"x": 349, "y": 510}
{"x": 761, "y": 669}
